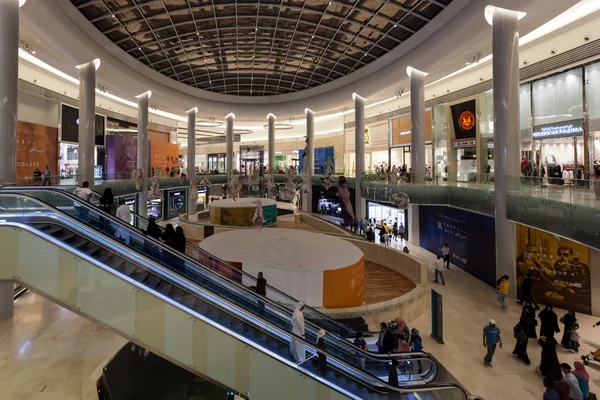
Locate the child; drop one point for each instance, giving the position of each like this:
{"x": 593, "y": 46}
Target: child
{"x": 416, "y": 345}
{"x": 361, "y": 343}
{"x": 574, "y": 342}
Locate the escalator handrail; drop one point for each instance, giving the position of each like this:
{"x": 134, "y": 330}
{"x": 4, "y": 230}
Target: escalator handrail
{"x": 344, "y": 345}
{"x": 216, "y": 300}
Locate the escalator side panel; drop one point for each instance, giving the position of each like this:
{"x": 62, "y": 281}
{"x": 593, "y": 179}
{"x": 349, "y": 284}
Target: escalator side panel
{"x": 149, "y": 319}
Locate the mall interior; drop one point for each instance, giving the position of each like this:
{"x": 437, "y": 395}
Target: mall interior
{"x": 215, "y": 199}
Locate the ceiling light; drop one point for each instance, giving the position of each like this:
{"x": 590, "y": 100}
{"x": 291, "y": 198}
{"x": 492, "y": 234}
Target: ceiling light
{"x": 281, "y": 127}
{"x": 209, "y": 123}
{"x": 114, "y": 16}
{"x": 242, "y": 131}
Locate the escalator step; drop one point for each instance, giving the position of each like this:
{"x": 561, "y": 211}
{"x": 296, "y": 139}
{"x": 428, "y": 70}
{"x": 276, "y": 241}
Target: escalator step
{"x": 105, "y": 258}
{"x": 79, "y": 244}
{"x": 177, "y": 294}
{"x": 118, "y": 264}
{"x": 201, "y": 309}
{"x": 128, "y": 269}
{"x": 189, "y": 301}
{"x": 153, "y": 281}
{"x": 69, "y": 238}
{"x": 141, "y": 276}
{"x": 165, "y": 288}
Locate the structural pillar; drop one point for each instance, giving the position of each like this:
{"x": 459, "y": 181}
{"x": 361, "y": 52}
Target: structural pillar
{"x": 87, "y": 120}
{"x": 191, "y": 158}
{"x": 417, "y": 123}
{"x": 142, "y": 150}
{"x": 9, "y": 65}
{"x": 229, "y": 139}
{"x": 359, "y": 145}
{"x": 271, "y": 146}
{"x": 505, "y": 44}
{"x": 310, "y": 160}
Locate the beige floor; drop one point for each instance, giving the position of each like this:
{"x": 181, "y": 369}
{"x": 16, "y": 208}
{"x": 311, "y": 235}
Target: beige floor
{"x": 50, "y": 353}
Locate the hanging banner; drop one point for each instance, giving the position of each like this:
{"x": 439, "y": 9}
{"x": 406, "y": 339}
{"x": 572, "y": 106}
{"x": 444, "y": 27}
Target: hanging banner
{"x": 559, "y": 269}
{"x": 163, "y": 156}
{"x": 463, "y": 116}
{"x": 121, "y": 152}
{"x": 36, "y": 148}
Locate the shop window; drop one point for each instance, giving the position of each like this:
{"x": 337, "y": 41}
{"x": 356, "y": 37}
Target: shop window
{"x": 558, "y": 98}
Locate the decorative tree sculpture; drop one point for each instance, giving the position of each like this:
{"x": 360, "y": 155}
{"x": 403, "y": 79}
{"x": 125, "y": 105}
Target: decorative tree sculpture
{"x": 154, "y": 192}
{"x": 328, "y": 180}
{"x": 259, "y": 216}
{"x": 347, "y": 213}
{"x": 138, "y": 178}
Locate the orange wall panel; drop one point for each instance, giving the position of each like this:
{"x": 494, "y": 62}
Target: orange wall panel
{"x": 344, "y": 287}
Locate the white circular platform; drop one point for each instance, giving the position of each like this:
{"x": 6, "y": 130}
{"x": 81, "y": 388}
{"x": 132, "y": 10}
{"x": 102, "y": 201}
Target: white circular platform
{"x": 321, "y": 270}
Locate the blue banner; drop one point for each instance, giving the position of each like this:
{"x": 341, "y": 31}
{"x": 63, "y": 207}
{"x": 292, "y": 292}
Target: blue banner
{"x": 470, "y": 236}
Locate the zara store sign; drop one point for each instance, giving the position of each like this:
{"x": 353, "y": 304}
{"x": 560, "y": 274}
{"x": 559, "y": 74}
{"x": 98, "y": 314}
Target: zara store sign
{"x": 558, "y": 129}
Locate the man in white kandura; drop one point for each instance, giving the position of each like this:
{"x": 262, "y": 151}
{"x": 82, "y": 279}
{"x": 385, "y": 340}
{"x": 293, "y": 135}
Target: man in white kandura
{"x": 298, "y": 349}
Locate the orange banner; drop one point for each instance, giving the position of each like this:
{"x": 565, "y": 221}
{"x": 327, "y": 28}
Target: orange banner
{"x": 37, "y": 146}
{"x": 344, "y": 287}
{"x": 163, "y": 155}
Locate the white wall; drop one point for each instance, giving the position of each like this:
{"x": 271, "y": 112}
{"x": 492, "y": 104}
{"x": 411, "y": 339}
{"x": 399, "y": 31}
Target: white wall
{"x": 38, "y": 110}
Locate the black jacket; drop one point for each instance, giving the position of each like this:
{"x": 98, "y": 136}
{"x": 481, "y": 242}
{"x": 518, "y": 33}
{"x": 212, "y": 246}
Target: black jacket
{"x": 388, "y": 343}
{"x": 261, "y": 286}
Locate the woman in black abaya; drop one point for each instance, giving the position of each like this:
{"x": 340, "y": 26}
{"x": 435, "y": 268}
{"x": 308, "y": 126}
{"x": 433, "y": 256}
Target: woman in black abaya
{"x": 528, "y": 320}
{"x": 549, "y": 366}
{"x": 569, "y": 320}
{"x": 549, "y": 322}
{"x": 522, "y": 339}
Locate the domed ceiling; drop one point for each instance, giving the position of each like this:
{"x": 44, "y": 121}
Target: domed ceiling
{"x": 258, "y": 48}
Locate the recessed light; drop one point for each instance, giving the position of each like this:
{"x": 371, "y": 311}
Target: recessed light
{"x": 113, "y": 16}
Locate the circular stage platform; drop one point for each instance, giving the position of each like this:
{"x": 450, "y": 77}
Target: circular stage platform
{"x": 241, "y": 211}
{"x": 321, "y": 270}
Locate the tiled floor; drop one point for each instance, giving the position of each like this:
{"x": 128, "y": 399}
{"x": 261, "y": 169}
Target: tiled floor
{"x": 383, "y": 284}
{"x": 50, "y": 353}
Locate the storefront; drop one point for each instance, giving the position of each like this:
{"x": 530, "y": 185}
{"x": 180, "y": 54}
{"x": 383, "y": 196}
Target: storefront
{"x": 201, "y": 200}
{"x": 216, "y": 163}
{"x": 390, "y": 215}
{"x": 252, "y": 158}
{"x": 400, "y": 140}
{"x": 176, "y": 202}
{"x": 69, "y": 163}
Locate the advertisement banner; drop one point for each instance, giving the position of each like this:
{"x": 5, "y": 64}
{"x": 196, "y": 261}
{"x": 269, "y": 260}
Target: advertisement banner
{"x": 465, "y": 122}
{"x": 37, "y": 146}
{"x": 163, "y": 155}
{"x": 401, "y": 128}
{"x": 470, "y": 236}
{"x": 558, "y": 267}
{"x": 121, "y": 152}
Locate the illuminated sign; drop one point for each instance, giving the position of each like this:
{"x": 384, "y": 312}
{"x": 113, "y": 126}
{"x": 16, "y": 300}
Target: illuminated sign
{"x": 558, "y": 130}
{"x": 457, "y": 144}
{"x": 466, "y": 121}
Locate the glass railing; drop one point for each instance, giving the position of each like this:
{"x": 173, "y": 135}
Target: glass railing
{"x": 231, "y": 289}
{"x": 257, "y": 327}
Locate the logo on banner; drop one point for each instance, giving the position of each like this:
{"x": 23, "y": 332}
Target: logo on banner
{"x": 466, "y": 121}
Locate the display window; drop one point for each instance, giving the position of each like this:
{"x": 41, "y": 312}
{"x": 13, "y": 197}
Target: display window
{"x": 155, "y": 209}
{"x": 177, "y": 203}
{"x": 216, "y": 163}
{"x": 201, "y": 199}
{"x": 381, "y": 213}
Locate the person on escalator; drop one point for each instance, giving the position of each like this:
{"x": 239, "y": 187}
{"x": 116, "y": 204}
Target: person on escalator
{"x": 168, "y": 234}
{"x": 362, "y": 344}
{"x": 124, "y": 214}
{"x": 393, "y": 373}
{"x": 416, "y": 344}
{"x": 385, "y": 344}
{"x": 179, "y": 241}
{"x": 106, "y": 201}
{"x": 153, "y": 230}
{"x": 322, "y": 360}
{"x": 85, "y": 194}
{"x": 298, "y": 349}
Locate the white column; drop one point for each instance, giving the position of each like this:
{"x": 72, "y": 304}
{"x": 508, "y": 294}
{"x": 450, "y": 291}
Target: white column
{"x": 142, "y": 150}
{"x": 271, "y": 147}
{"x": 359, "y": 143}
{"x": 87, "y": 120}
{"x": 229, "y": 139}
{"x": 9, "y": 65}
{"x": 191, "y": 157}
{"x": 505, "y": 44}
{"x": 417, "y": 122}
{"x": 310, "y": 158}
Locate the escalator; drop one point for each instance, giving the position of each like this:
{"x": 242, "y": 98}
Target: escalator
{"x": 342, "y": 352}
{"x": 92, "y": 274}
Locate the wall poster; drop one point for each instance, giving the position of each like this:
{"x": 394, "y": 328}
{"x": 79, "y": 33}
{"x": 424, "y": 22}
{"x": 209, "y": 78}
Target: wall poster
{"x": 36, "y": 148}
{"x": 163, "y": 155}
{"x": 558, "y": 267}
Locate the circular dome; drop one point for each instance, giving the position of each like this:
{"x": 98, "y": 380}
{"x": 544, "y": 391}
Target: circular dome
{"x": 258, "y": 48}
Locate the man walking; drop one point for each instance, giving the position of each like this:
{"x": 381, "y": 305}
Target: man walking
{"x": 439, "y": 270}
{"x": 446, "y": 254}
{"x": 491, "y": 337}
{"x": 47, "y": 176}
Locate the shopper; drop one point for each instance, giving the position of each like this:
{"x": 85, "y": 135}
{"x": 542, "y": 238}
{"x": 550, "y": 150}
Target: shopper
{"x": 550, "y": 393}
{"x": 107, "y": 200}
{"x": 526, "y": 291}
{"x": 361, "y": 344}
{"x": 48, "y": 176}
{"x": 574, "y": 393}
{"x": 446, "y": 254}
{"x": 322, "y": 358}
{"x": 569, "y": 320}
{"x": 416, "y": 344}
{"x": 529, "y": 321}
{"x": 503, "y": 292}
{"x": 520, "y": 350}
{"x": 439, "y": 270}
{"x": 85, "y": 194}
{"x": 597, "y": 182}
{"x": 385, "y": 344}
{"x": 583, "y": 378}
{"x": 574, "y": 342}
{"x": 405, "y": 250}
{"x": 298, "y": 349}
{"x": 153, "y": 230}
{"x": 124, "y": 214}
{"x": 491, "y": 338}
{"x": 402, "y": 231}
{"x": 393, "y": 373}
{"x": 548, "y": 322}
{"x": 549, "y": 364}
{"x": 168, "y": 234}
{"x": 37, "y": 177}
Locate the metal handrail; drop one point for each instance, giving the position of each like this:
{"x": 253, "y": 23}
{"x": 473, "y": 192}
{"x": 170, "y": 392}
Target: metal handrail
{"x": 217, "y": 301}
{"x": 342, "y": 342}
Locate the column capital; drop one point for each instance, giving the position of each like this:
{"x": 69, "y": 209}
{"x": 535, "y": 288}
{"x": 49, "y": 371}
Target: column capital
{"x": 356, "y": 96}
{"x": 309, "y": 111}
{"x": 21, "y": 3}
{"x": 192, "y": 110}
{"x": 490, "y": 11}
{"x": 410, "y": 71}
{"x": 271, "y": 115}
{"x": 95, "y": 61}
{"x": 230, "y": 115}
{"x": 146, "y": 93}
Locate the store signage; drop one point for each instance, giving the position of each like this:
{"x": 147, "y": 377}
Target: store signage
{"x": 459, "y": 144}
{"x": 130, "y": 202}
{"x": 558, "y": 130}
{"x": 202, "y": 189}
{"x": 463, "y": 115}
